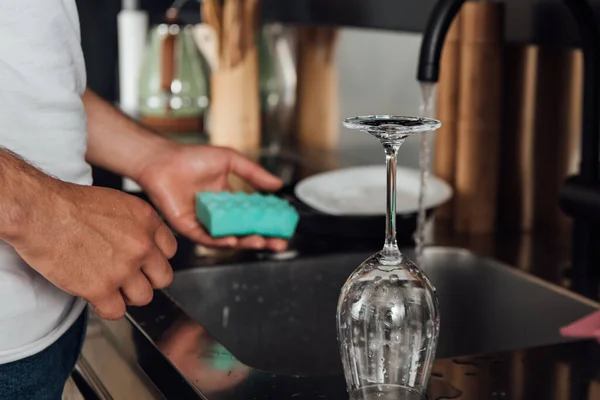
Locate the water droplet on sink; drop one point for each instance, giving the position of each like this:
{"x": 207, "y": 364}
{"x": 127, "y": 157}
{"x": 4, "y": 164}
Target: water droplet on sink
{"x": 394, "y": 278}
{"x": 377, "y": 280}
{"x": 391, "y": 305}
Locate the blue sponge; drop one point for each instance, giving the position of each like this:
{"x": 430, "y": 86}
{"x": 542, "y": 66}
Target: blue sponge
{"x": 241, "y": 214}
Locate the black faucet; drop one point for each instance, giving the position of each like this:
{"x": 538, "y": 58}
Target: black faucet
{"x": 580, "y": 195}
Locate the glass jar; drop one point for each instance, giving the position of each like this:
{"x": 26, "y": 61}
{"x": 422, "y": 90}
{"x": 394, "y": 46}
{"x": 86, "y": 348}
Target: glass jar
{"x": 174, "y": 83}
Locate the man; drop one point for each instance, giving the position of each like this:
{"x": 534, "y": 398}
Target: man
{"x": 63, "y": 242}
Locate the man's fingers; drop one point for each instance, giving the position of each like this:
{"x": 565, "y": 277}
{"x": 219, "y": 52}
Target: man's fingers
{"x": 165, "y": 240}
{"x": 277, "y": 244}
{"x": 158, "y": 271}
{"x": 252, "y": 242}
{"x": 137, "y": 290}
{"x": 191, "y": 228}
{"x": 253, "y": 173}
{"x": 110, "y": 307}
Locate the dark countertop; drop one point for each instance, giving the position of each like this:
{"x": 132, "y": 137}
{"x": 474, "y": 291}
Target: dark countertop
{"x": 182, "y": 358}
{"x": 162, "y": 336}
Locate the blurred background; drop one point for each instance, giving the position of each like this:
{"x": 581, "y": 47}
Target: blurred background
{"x": 277, "y": 77}
{"x": 375, "y": 47}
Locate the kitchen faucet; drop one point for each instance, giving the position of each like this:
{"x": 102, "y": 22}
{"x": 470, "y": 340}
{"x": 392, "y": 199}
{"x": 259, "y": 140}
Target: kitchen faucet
{"x": 580, "y": 195}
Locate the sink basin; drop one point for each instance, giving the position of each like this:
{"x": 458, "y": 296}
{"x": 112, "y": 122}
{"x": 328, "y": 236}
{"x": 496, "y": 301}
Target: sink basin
{"x": 279, "y": 316}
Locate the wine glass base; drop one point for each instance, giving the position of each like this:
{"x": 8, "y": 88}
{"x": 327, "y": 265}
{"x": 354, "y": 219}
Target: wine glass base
{"x": 385, "y": 392}
{"x": 391, "y": 128}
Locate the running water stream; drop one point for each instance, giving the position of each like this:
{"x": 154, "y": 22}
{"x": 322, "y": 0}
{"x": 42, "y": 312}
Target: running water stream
{"x": 428, "y": 111}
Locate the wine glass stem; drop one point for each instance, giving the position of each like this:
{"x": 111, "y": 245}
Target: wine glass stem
{"x": 390, "y": 247}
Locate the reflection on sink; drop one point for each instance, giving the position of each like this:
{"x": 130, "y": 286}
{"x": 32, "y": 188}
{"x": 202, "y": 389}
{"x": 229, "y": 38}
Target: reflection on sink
{"x": 279, "y": 316}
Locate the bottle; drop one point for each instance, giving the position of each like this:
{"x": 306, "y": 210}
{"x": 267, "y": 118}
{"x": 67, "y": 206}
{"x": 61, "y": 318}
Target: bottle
{"x": 132, "y": 29}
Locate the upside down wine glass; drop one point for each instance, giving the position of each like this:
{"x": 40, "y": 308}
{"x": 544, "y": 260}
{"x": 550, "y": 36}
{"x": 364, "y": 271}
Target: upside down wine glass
{"x": 387, "y": 313}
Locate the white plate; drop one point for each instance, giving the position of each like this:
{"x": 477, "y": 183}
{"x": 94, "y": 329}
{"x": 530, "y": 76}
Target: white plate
{"x": 362, "y": 191}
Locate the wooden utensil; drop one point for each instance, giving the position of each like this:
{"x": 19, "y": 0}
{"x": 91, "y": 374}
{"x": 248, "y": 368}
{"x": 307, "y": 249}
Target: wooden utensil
{"x": 540, "y": 140}
{"x": 479, "y": 111}
{"x": 317, "y": 109}
{"x": 235, "y": 103}
{"x": 447, "y": 112}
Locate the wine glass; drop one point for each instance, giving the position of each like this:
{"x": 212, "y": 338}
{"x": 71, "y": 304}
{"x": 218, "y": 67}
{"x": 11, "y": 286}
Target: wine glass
{"x": 387, "y": 313}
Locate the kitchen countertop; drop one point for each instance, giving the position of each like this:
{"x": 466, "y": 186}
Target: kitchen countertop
{"x": 183, "y": 361}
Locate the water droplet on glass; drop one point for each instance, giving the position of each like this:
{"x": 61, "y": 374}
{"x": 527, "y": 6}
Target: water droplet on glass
{"x": 429, "y": 328}
{"x": 238, "y": 299}
{"x": 377, "y": 280}
{"x": 394, "y": 278}
{"x": 260, "y": 300}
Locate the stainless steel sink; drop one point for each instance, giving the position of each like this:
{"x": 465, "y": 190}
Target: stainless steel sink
{"x": 279, "y": 316}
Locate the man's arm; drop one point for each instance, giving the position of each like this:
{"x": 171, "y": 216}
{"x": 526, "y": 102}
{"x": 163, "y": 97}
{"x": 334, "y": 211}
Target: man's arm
{"x": 20, "y": 187}
{"x": 100, "y": 244}
{"x": 116, "y": 142}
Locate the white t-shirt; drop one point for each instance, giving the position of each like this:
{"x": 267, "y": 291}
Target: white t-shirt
{"x": 42, "y": 78}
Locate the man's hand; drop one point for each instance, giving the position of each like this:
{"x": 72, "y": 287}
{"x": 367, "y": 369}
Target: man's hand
{"x": 171, "y": 174}
{"x": 173, "y": 177}
{"x": 105, "y": 246}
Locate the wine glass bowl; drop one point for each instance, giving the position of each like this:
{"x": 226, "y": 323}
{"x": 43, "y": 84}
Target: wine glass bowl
{"x": 388, "y": 313}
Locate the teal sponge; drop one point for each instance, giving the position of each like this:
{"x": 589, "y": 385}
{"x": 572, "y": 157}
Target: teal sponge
{"x": 241, "y": 214}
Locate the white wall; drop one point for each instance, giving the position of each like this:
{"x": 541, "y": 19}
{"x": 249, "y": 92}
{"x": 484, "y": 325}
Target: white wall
{"x": 377, "y": 75}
